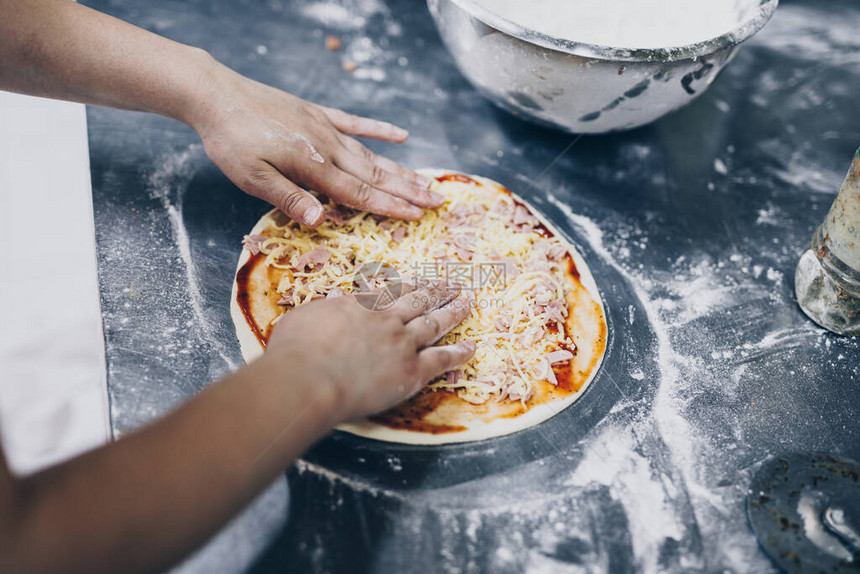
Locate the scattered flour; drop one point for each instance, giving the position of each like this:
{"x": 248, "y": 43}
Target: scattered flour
{"x": 643, "y": 498}
{"x": 769, "y": 215}
{"x": 345, "y": 15}
{"x": 665, "y": 509}
{"x": 677, "y": 478}
{"x": 694, "y": 291}
{"x": 805, "y": 36}
{"x": 168, "y": 184}
{"x": 368, "y": 55}
{"x": 375, "y": 74}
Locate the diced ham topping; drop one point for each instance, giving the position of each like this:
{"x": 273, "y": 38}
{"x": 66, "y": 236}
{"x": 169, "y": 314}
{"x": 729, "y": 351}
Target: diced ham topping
{"x": 511, "y": 269}
{"x": 502, "y": 322}
{"x": 556, "y": 310}
{"x": 399, "y": 234}
{"x": 465, "y": 241}
{"x": 287, "y": 297}
{"x": 522, "y": 216}
{"x": 464, "y": 254}
{"x": 280, "y": 218}
{"x": 513, "y": 394}
{"x": 314, "y": 256}
{"x": 538, "y": 265}
{"x": 556, "y": 252}
{"x": 558, "y": 356}
{"x": 530, "y": 336}
{"x": 549, "y": 373}
{"x": 459, "y": 214}
{"x": 542, "y": 295}
{"x": 336, "y": 215}
{"x": 499, "y": 208}
{"x": 252, "y": 243}
{"x": 452, "y": 377}
{"x": 460, "y": 210}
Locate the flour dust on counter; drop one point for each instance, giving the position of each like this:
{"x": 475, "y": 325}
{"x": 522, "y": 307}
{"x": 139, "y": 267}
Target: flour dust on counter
{"x": 168, "y": 184}
{"x": 363, "y": 56}
{"x": 346, "y": 14}
{"x": 682, "y": 513}
{"x": 692, "y": 227}
{"x": 162, "y": 326}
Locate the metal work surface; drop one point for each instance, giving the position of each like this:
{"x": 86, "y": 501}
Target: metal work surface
{"x": 692, "y": 227}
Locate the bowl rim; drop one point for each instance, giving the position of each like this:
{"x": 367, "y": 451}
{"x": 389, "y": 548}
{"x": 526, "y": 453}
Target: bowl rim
{"x": 755, "y": 22}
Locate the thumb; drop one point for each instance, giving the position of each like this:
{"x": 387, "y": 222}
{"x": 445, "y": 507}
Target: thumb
{"x": 294, "y": 201}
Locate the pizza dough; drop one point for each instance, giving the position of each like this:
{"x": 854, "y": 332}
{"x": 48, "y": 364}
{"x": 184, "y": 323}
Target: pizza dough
{"x": 449, "y": 419}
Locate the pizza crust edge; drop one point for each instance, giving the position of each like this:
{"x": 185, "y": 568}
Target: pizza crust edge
{"x": 251, "y": 349}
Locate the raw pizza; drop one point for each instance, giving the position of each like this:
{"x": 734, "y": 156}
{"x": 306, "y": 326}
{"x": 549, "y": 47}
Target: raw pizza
{"x": 536, "y": 314}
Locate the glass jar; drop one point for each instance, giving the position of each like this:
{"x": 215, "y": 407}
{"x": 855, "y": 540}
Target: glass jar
{"x": 827, "y": 280}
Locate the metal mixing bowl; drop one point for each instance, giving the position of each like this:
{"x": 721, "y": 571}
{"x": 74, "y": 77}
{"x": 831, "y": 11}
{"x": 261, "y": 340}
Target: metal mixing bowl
{"x": 584, "y": 88}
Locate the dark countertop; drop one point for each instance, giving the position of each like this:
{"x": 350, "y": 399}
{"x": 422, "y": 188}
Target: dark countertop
{"x": 692, "y": 227}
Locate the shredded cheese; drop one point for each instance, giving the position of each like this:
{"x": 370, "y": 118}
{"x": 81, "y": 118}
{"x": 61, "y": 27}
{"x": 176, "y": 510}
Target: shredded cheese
{"x": 479, "y": 239}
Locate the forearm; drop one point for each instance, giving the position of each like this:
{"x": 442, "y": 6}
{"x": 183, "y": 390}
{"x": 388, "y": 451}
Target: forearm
{"x": 144, "y": 502}
{"x": 59, "y": 49}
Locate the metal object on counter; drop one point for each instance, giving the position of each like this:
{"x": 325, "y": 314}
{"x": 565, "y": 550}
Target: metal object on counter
{"x": 583, "y": 88}
{"x": 805, "y": 511}
{"x": 827, "y": 280}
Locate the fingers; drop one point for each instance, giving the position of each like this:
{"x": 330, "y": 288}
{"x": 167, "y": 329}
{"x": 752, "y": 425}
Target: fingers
{"x": 408, "y": 285}
{"x": 348, "y": 172}
{"x": 429, "y": 328}
{"x": 421, "y": 181}
{"x": 352, "y": 191}
{"x": 415, "y": 178}
{"x": 433, "y": 361}
{"x": 270, "y": 185}
{"x": 368, "y": 169}
{"x": 364, "y": 127}
{"x": 427, "y": 298}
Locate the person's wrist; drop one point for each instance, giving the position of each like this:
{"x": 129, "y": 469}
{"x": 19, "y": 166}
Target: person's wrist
{"x": 294, "y": 373}
{"x": 203, "y": 98}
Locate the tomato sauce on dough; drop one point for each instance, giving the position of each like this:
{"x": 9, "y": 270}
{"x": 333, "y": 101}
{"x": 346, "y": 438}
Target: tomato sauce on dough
{"x": 418, "y": 413}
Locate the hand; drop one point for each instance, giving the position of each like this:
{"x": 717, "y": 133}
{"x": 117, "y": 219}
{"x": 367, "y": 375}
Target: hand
{"x": 374, "y": 359}
{"x": 272, "y": 144}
